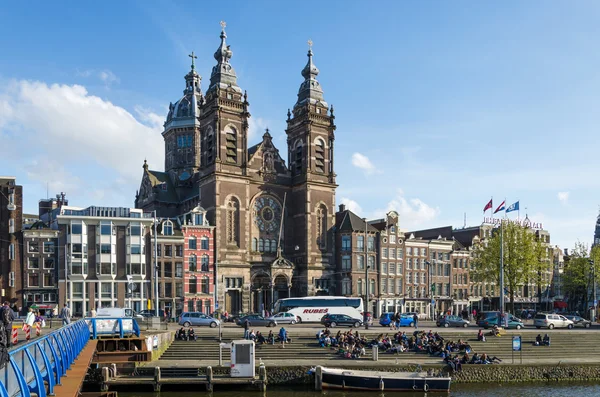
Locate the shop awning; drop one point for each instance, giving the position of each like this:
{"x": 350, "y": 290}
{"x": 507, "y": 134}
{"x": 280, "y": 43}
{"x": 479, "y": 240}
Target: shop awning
{"x": 560, "y": 305}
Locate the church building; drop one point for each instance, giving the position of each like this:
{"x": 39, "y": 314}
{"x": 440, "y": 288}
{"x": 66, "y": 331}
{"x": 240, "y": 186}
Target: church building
{"x": 273, "y": 218}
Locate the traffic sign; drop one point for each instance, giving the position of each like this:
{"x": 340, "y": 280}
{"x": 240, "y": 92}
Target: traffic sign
{"x": 596, "y": 303}
{"x": 433, "y": 302}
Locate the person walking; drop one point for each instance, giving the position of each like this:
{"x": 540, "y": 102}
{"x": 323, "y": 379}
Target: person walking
{"x": 283, "y": 337}
{"x": 29, "y": 321}
{"x": 246, "y": 329}
{"x": 7, "y": 316}
{"x": 65, "y": 314}
{"x": 416, "y": 320}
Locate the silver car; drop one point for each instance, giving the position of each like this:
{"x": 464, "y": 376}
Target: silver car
{"x": 284, "y": 318}
{"x": 197, "y": 318}
{"x": 551, "y": 320}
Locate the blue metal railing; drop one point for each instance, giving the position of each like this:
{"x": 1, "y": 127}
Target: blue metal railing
{"x": 43, "y": 360}
{"x": 112, "y": 326}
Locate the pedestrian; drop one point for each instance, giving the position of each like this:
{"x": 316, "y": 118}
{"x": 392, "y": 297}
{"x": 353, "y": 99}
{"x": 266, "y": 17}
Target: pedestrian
{"x": 7, "y": 316}
{"x": 29, "y": 321}
{"x": 246, "y": 329}
{"x": 416, "y": 320}
{"x": 283, "y": 337}
{"x": 93, "y": 312}
{"x": 65, "y": 314}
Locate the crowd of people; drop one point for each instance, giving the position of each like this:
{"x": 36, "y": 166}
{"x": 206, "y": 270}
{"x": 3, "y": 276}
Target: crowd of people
{"x": 351, "y": 344}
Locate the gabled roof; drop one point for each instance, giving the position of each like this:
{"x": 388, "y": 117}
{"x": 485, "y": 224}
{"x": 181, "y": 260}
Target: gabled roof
{"x": 432, "y": 234}
{"x": 163, "y": 186}
{"x": 353, "y": 223}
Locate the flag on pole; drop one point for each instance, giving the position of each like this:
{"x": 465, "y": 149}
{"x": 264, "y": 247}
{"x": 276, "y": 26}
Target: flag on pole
{"x": 488, "y": 206}
{"x": 501, "y": 207}
{"x": 513, "y": 207}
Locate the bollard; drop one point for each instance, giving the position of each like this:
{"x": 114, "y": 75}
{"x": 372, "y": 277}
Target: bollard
{"x": 27, "y": 331}
{"x": 105, "y": 378}
{"x": 38, "y": 329}
{"x": 375, "y": 353}
{"x": 262, "y": 375}
{"x": 15, "y": 336}
{"x": 319, "y": 378}
{"x": 209, "y": 378}
{"x": 156, "y": 378}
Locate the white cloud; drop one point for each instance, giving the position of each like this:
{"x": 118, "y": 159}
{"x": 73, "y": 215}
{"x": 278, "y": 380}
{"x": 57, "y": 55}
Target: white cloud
{"x": 563, "y": 197}
{"x": 352, "y": 205}
{"x": 105, "y": 75}
{"x": 413, "y": 212}
{"x": 256, "y": 128}
{"x": 76, "y": 141}
{"x": 361, "y": 161}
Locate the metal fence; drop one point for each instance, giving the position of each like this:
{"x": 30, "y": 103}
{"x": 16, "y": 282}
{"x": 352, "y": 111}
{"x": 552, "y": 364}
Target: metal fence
{"x": 45, "y": 359}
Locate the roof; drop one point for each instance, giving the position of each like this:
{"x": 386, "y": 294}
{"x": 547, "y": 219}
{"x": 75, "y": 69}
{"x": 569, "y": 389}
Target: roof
{"x": 352, "y": 222}
{"x": 432, "y": 234}
{"x": 253, "y": 149}
{"x": 167, "y": 194}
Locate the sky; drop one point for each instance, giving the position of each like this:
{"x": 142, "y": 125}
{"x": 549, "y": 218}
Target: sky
{"x": 439, "y": 106}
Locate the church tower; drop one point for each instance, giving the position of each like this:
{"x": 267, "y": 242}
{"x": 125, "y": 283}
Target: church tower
{"x": 310, "y": 139}
{"x": 224, "y": 120}
{"x": 182, "y": 129}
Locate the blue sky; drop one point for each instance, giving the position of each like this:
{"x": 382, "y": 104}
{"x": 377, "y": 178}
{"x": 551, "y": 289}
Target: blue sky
{"x": 439, "y": 105}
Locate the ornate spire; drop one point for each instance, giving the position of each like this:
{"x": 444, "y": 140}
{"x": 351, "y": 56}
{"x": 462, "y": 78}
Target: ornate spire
{"x": 310, "y": 90}
{"x": 223, "y": 74}
{"x": 192, "y": 79}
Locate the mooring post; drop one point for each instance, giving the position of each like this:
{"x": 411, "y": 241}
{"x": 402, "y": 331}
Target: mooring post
{"x": 114, "y": 369}
{"x": 209, "y": 378}
{"x": 105, "y": 378}
{"x": 156, "y": 378}
{"x": 319, "y": 378}
{"x": 262, "y": 376}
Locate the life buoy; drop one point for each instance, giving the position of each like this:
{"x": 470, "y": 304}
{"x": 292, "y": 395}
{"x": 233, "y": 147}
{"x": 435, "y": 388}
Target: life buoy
{"x": 414, "y": 387}
{"x": 426, "y": 387}
{"x": 381, "y": 384}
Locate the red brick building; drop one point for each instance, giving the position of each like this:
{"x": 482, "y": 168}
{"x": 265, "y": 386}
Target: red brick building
{"x": 199, "y": 262}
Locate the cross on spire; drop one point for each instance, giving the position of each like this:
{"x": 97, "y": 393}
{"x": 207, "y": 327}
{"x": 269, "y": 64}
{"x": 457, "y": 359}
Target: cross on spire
{"x": 310, "y": 43}
{"x": 223, "y": 25}
{"x": 193, "y": 57}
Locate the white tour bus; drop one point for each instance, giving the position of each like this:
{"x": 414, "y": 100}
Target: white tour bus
{"x": 310, "y": 309}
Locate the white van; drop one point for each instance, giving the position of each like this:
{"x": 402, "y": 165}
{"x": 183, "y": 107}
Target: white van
{"x": 551, "y": 320}
{"x": 116, "y": 312}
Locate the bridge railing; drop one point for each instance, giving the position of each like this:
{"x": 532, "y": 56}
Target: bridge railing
{"x": 43, "y": 361}
{"x": 102, "y": 326}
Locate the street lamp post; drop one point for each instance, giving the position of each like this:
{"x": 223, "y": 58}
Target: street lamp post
{"x": 431, "y": 290}
{"x": 155, "y": 266}
{"x": 365, "y": 246}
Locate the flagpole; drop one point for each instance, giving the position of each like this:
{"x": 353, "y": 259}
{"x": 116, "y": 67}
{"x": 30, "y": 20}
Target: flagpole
{"x": 501, "y": 274}
{"x": 492, "y": 208}
{"x": 519, "y": 210}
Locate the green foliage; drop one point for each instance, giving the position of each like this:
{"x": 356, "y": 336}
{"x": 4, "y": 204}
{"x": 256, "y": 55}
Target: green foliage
{"x": 523, "y": 257}
{"x": 578, "y": 270}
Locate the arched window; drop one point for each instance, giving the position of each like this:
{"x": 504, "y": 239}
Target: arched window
{"x": 193, "y": 285}
{"x": 273, "y": 246}
{"x": 233, "y": 221}
{"x": 267, "y": 245}
{"x": 320, "y": 156}
{"x": 204, "y": 263}
{"x": 231, "y": 144}
{"x": 254, "y": 244}
{"x": 192, "y": 263}
{"x": 298, "y": 157}
{"x": 210, "y": 146}
{"x": 322, "y": 227}
{"x": 261, "y": 245}
{"x": 205, "y": 285}
{"x": 192, "y": 243}
{"x": 168, "y": 228}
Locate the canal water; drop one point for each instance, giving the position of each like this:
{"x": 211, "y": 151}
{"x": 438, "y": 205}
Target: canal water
{"x": 472, "y": 390}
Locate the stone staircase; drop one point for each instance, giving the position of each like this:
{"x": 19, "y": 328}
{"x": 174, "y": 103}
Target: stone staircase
{"x": 565, "y": 345}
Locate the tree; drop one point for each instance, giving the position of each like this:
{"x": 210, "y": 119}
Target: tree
{"x": 519, "y": 255}
{"x": 540, "y": 266}
{"x": 578, "y": 272}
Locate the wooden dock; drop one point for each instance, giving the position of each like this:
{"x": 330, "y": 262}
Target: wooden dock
{"x": 71, "y": 383}
{"x": 181, "y": 377}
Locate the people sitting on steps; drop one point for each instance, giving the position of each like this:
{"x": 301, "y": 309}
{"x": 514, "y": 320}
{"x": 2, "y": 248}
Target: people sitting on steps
{"x": 538, "y": 340}
{"x": 191, "y": 335}
{"x": 480, "y": 336}
{"x": 181, "y": 335}
{"x": 546, "y": 340}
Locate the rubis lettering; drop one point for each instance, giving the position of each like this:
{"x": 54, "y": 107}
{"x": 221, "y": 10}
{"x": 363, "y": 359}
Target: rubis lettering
{"x": 315, "y": 310}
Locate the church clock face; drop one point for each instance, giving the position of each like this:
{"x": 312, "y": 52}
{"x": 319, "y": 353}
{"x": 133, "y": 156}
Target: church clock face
{"x": 267, "y": 214}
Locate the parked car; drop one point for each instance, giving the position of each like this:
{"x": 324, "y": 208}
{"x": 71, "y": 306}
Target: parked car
{"x": 527, "y": 314}
{"x": 489, "y": 319}
{"x": 284, "y": 318}
{"x": 420, "y": 316}
{"x": 151, "y": 313}
{"x": 197, "y": 319}
{"x": 333, "y": 320}
{"x": 579, "y": 321}
{"x": 452, "y": 321}
{"x": 233, "y": 318}
{"x": 551, "y": 320}
{"x": 405, "y": 320}
{"x": 256, "y": 320}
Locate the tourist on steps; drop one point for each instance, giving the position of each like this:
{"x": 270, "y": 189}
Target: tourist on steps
{"x": 246, "y": 329}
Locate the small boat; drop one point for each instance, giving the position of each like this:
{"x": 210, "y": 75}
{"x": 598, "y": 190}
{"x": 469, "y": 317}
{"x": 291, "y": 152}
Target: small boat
{"x": 350, "y": 379}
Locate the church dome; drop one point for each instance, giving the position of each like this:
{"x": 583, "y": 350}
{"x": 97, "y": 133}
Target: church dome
{"x": 187, "y": 108}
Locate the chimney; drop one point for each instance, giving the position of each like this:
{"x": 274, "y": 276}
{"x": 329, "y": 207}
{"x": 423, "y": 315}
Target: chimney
{"x": 566, "y": 251}
{"x": 342, "y": 207}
